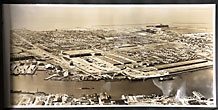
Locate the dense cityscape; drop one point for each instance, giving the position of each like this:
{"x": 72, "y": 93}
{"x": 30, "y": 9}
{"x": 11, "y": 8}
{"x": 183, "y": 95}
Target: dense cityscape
{"x": 42, "y": 99}
{"x": 131, "y": 53}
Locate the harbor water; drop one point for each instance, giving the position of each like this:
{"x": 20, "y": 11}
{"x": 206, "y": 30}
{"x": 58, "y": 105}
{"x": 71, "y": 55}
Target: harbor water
{"x": 201, "y": 81}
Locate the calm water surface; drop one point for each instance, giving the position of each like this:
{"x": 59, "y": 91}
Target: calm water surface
{"x": 199, "y": 80}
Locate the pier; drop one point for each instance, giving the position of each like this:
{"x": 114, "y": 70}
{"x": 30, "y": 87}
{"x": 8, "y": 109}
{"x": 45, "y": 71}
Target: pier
{"x": 174, "y": 68}
{"x": 192, "y": 67}
{"x": 178, "y": 64}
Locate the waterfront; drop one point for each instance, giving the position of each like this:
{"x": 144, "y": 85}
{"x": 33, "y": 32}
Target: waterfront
{"x": 157, "y": 59}
{"x": 118, "y": 69}
{"x": 193, "y": 81}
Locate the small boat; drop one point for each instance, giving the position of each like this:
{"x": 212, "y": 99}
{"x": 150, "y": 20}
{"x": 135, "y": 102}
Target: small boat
{"x": 161, "y": 25}
{"x": 86, "y": 88}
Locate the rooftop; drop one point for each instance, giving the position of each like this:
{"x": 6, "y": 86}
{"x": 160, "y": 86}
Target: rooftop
{"x": 73, "y": 52}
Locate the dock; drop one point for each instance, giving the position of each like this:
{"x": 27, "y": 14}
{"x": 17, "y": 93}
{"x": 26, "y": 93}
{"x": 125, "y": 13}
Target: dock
{"x": 174, "y": 68}
{"x": 178, "y": 64}
{"x": 192, "y": 67}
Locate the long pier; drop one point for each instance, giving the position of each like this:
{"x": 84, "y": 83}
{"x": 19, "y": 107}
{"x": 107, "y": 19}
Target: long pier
{"x": 189, "y": 67}
{"x": 178, "y": 64}
{"x": 175, "y": 68}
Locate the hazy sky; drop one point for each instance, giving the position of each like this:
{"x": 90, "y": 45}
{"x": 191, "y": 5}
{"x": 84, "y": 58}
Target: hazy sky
{"x": 40, "y": 17}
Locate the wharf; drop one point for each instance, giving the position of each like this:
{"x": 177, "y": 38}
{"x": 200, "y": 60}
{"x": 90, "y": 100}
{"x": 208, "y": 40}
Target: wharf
{"x": 178, "y": 64}
{"x": 185, "y": 67}
{"x": 190, "y": 67}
